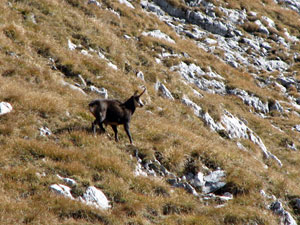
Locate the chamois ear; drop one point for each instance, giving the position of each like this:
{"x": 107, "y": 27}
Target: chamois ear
{"x": 135, "y": 93}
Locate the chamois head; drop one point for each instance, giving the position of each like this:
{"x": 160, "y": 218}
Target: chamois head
{"x": 136, "y": 97}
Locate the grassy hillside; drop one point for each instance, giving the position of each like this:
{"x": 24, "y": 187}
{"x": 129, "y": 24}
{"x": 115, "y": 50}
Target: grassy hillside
{"x": 35, "y": 58}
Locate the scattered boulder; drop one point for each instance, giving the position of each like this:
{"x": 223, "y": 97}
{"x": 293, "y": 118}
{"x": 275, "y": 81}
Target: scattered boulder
{"x": 163, "y": 90}
{"x": 71, "y": 45}
{"x": 140, "y": 75}
{"x": 95, "y": 197}
{"x": 5, "y": 107}
{"x": 62, "y": 190}
{"x": 92, "y": 196}
{"x": 45, "y": 131}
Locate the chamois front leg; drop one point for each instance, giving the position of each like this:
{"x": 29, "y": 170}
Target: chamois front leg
{"x": 94, "y": 126}
{"x": 126, "y": 127}
{"x": 114, "y": 127}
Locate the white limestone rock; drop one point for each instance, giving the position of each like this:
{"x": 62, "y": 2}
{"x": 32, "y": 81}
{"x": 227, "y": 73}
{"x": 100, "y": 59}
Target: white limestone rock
{"x": 127, "y": 3}
{"x": 102, "y": 91}
{"x": 163, "y": 90}
{"x": 95, "y": 197}
{"x": 73, "y": 87}
{"x": 62, "y": 190}
{"x": 158, "y": 34}
{"x": 238, "y": 129}
{"x": 140, "y": 75}
{"x": 250, "y": 100}
{"x": 71, "y": 45}
{"x": 45, "y": 131}
{"x": 5, "y": 108}
{"x": 70, "y": 182}
{"x": 94, "y": 2}
{"x": 286, "y": 217}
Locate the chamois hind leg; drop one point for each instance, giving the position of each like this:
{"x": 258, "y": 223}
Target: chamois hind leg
{"x": 114, "y": 127}
{"x": 126, "y": 127}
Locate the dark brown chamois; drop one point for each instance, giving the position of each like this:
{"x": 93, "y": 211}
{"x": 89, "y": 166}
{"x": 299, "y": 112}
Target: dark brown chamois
{"x": 114, "y": 113}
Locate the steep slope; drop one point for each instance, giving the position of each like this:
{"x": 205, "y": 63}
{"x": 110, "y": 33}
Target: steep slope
{"x": 216, "y": 142}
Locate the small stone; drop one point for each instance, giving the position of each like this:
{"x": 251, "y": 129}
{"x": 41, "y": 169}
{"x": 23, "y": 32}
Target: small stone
{"x": 5, "y": 107}
{"x": 62, "y": 190}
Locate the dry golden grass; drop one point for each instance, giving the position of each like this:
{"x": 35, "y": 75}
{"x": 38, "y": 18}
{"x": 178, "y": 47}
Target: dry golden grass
{"x": 169, "y": 129}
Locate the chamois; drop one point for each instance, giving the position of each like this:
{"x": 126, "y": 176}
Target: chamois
{"x": 114, "y": 113}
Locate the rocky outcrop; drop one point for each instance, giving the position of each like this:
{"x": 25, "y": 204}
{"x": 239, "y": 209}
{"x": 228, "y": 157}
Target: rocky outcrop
{"x": 249, "y": 51}
{"x": 211, "y": 24}
{"x": 292, "y": 4}
{"x": 230, "y": 126}
{"x": 195, "y": 75}
{"x": 200, "y": 185}
{"x": 286, "y": 217}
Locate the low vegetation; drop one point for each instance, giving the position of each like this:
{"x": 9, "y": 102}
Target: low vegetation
{"x": 35, "y": 58}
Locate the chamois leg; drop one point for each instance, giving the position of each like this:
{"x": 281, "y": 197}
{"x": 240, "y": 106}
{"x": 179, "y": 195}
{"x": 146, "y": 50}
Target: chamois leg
{"x": 114, "y": 127}
{"x": 94, "y": 126}
{"x": 101, "y": 127}
{"x": 126, "y": 127}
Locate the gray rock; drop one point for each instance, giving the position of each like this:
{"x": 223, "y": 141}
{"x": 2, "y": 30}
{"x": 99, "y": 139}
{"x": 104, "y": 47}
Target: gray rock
{"x": 163, "y": 90}
{"x": 94, "y": 2}
{"x": 276, "y": 107}
{"x": 297, "y": 203}
{"x": 45, "y": 131}
{"x": 262, "y": 28}
{"x": 127, "y": 3}
{"x": 62, "y": 190}
{"x": 250, "y": 100}
{"x": 70, "y": 182}
{"x": 158, "y": 34}
{"x": 292, "y": 4}
{"x": 71, "y": 45}
{"x": 102, "y": 92}
{"x": 287, "y": 82}
{"x": 152, "y": 7}
{"x": 208, "y": 23}
{"x": 236, "y": 128}
{"x": 286, "y": 217}
{"x": 208, "y": 120}
{"x": 297, "y": 127}
{"x": 140, "y": 75}
{"x": 212, "y": 187}
{"x": 73, "y": 87}
{"x": 213, "y": 181}
{"x": 95, "y": 197}
{"x": 5, "y": 107}
{"x": 195, "y": 75}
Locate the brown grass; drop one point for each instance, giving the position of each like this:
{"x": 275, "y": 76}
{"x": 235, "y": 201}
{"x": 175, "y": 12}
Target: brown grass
{"x": 169, "y": 129}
